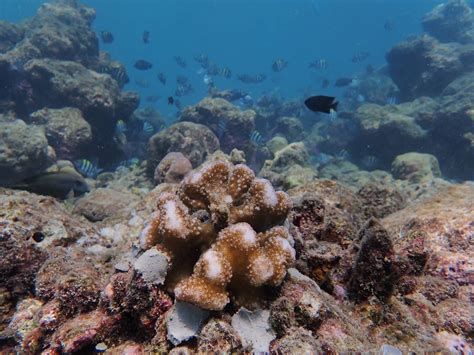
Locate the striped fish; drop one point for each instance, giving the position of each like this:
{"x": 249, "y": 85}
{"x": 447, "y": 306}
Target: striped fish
{"x": 148, "y": 128}
{"x": 86, "y": 168}
{"x": 256, "y": 138}
{"x": 221, "y": 129}
{"x": 120, "y": 127}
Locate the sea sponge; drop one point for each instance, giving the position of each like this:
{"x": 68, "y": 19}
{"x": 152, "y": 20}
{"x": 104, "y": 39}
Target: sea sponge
{"x": 223, "y": 222}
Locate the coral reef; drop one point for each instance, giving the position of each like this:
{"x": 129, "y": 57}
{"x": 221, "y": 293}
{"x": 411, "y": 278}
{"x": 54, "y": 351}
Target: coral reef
{"x": 51, "y": 64}
{"x": 239, "y": 207}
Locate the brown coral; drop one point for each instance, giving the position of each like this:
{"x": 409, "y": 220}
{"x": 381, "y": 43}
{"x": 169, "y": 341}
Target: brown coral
{"x": 225, "y": 210}
{"x": 239, "y": 256}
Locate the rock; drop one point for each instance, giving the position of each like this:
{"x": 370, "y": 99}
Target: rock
{"x": 66, "y": 130}
{"x": 196, "y": 142}
{"x": 104, "y": 203}
{"x": 416, "y": 167}
{"x": 298, "y": 341}
{"x": 153, "y": 266}
{"x": 254, "y": 329}
{"x": 58, "y": 31}
{"x": 172, "y": 168}
{"x": 450, "y": 22}
{"x": 84, "y": 331}
{"x": 10, "y": 35}
{"x": 386, "y": 349}
{"x": 324, "y": 221}
{"x": 277, "y": 143}
{"x": 375, "y": 271}
{"x": 388, "y": 132}
{"x": 424, "y": 67}
{"x": 23, "y": 152}
{"x": 218, "y": 336}
{"x": 215, "y": 112}
{"x": 184, "y": 322}
{"x": 381, "y": 201}
{"x": 290, "y": 167}
{"x": 294, "y": 309}
{"x": 64, "y": 83}
{"x": 290, "y": 127}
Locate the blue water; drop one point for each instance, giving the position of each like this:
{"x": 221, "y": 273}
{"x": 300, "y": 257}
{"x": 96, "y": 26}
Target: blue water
{"x": 246, "y": 36}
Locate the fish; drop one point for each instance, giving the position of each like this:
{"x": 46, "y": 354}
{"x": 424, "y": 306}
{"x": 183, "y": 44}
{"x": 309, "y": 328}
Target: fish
{"x": 321, "y": 103}
{"x": 180, "y": 61}
{"x": 360, "y": 98}
{"x": 116, "y": 72}
{"x": 143, "y": 83}
{"x": 148, "y": 128}
{"x": 162, "y": 78}
{"x": 251, "y": 79}
{"x": 256, "y": 138}
{"x": 129, "y": 163}
{"x": 279, "y": 64}
{"x": 170, "y": 100}
{"x": 120, "y": 127}
{"x": 57, "y": 184}
{"x": 152, "y": 98}
{"x": 142, "y": 64}
{"x": 107, "y": 37}
{"x": 177, "y": 103}
{"x": 369, "y": 162}
{"x": 213, "y": 69}
{"x": 325, "y": 83}
{"x": 360, "y": 57}
{"x": 207, "y": 79}
{"x": 184, "y": 89}
{"x": 221, "y": 129}
{"x": 202, "y": 59}
{"x": 226, "y": 72}
{"x": 87, "y": 168}
{"x": 391, "y": 100}
{"x": 146, "y": 37}
{"x": 319, "y": 64}
{"x": 343, "y": 154}
{"x": 181, "y": 79}
{"x": 341, "y": 82}
{"x": 389, "y": 25}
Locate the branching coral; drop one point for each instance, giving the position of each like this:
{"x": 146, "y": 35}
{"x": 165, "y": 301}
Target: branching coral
{"x": 233, "y": 217}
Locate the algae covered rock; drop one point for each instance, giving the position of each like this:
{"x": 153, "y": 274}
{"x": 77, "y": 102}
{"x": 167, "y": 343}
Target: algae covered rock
{"x": 227, "y": 121}
{"x": 103, "y": 203}
{"x": 66, "y": 130}
{"x": 23, "y": 151}
{"x": 416, "y": 167}
{"x": 452, "y": 21}
{"x": 424, "y": 67}
{"x": 195, "y": 141}
{"x": 290, "y": 167}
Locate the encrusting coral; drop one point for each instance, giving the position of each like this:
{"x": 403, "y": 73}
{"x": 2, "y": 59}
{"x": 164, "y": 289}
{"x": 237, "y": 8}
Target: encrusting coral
{"x": 233, "y": 217}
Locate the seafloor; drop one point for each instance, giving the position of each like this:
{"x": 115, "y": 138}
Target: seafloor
{"x": 158, "y": 257}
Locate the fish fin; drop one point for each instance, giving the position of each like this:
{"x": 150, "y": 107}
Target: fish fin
{"x": 334, "y": 105}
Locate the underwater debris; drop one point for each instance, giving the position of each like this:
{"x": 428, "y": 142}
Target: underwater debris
{"x": 245, "y": 247}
